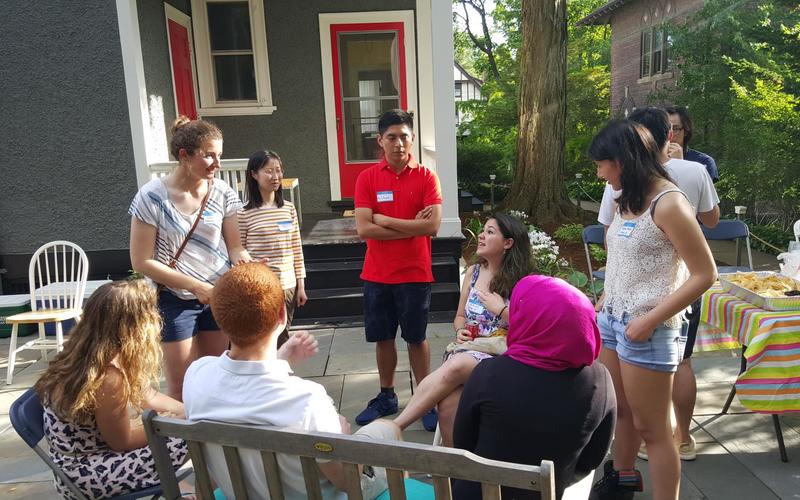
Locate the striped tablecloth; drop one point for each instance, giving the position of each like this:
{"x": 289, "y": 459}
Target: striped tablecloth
{"x": 771, "y": 383}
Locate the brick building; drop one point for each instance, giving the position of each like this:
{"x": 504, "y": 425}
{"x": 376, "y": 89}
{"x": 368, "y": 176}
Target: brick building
{"x": 641, "y": 63}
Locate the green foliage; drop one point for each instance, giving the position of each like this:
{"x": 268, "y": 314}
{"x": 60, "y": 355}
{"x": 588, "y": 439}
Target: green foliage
{"x": 495, "y": 119}
{"x": 740, "y": 78}
{"x": 598, "y": 253}
{"x": 774, "y": 235}
{"x": 476, "y": 160}
{"x": 569, "y": 233}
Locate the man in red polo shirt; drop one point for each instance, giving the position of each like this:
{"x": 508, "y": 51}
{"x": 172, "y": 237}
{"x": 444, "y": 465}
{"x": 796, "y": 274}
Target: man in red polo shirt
{"x": 398, "y": 208}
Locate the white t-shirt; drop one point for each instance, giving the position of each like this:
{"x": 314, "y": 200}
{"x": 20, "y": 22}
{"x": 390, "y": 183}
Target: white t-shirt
{"x": 259, "y": 393}
{"x": 690, "y": 177}
{"x": 205, "y": 256}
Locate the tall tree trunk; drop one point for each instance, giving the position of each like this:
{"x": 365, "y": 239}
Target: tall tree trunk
{"x": 538, "y": 186}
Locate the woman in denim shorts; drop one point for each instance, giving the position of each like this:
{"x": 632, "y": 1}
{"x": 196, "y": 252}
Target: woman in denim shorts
{"x": 658, "y": 263}
{"x": 162, "y": 215}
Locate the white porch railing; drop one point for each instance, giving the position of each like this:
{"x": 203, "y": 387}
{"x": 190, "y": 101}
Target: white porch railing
{"x": 234, "y": 173}
{"x": 231, "y": 171}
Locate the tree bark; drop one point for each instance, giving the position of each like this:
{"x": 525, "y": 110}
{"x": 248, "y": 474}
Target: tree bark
{"x": 538, "y": 186}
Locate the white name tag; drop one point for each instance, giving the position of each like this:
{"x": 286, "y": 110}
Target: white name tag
{"x": 385, "y": 196}
{"x": 475, "y": 307}
{"x": 285, "y": 226}
{"x": 210, "y": 217}
{"x": 626, "y": 229}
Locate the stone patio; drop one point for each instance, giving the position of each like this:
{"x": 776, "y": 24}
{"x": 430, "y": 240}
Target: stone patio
{"x": 737, "y": 453}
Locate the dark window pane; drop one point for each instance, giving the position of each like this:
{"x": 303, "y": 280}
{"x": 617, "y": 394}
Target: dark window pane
{"x": 458, "y": 89}
{"x": 229, "y": 26}
{"x": 361, "y": 127}
{"x": 236, "y": 78}
{"x": 645, "y": 54}
{"x": 658, "y": 44}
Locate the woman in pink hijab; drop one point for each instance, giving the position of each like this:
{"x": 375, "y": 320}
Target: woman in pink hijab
{"x": 546, "y": 398}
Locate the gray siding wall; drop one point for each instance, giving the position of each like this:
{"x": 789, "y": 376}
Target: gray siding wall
{"x": 155, "y": 54}
{"x": 296, "y": 131}
{"x": 67, "y": 168}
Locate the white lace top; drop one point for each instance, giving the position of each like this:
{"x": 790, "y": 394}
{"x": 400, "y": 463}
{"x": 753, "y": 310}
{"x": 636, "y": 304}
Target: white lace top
{"x": 643, "y": 267}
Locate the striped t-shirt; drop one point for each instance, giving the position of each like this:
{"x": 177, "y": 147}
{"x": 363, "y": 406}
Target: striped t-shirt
{"x": 205, "y": 256}
{"x": 274, "y": 233}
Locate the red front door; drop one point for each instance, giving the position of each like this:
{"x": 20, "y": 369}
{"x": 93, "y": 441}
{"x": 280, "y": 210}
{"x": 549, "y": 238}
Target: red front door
{"x": 369, "y": 77}
{"x": 182, "y": 75}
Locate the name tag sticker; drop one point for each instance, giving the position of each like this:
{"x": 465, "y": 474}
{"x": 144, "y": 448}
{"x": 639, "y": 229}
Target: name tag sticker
{"x": 475, "y": 307}
{"x": 626, "y": 229}
{"x": 385, "y": 196}
{"x": 285, "y": 226}
{"x": 211, "y": 217}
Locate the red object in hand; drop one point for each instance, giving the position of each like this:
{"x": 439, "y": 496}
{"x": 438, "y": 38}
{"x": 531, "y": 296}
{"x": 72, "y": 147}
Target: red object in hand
{"x": 473, "y": 328}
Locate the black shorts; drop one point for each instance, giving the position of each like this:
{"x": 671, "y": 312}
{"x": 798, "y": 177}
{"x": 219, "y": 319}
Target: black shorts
{"x": 387, "y": 306}
{"x": 694, "y": 322}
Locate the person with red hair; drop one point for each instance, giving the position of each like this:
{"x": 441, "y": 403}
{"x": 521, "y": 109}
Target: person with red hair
{"x": 252, "y": 383}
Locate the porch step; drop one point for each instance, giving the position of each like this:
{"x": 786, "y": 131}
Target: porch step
{"x": 331, "y": 303}
{"x": 346, "y": 273}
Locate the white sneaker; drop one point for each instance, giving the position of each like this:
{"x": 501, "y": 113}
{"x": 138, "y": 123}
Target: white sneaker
{"x": 687, "y": 450}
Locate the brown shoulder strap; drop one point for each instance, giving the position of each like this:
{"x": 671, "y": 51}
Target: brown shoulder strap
{"x": 173, "y": 262}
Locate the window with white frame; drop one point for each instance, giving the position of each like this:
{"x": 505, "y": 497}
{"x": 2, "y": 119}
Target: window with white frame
{"x": 231, "y": 50}
{"x": 654, "y": 52}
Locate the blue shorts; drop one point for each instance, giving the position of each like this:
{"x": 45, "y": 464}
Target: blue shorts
{"x": 404, "y": 304}
{"x": 183, "y": 318}
{"x": 662, "y": 352}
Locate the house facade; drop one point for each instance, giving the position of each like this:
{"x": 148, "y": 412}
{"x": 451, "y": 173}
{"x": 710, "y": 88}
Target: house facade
{"x": 465, "y": 88}
{"x": 641, "y": 62}
{"x": 90, "y": 90}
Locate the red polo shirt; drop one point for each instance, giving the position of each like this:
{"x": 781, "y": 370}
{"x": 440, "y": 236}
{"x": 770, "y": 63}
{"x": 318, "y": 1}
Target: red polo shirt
{"x": 400, "y": 196}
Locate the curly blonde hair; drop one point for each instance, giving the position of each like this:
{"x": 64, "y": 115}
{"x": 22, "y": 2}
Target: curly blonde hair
{"x": 120, "y": 321}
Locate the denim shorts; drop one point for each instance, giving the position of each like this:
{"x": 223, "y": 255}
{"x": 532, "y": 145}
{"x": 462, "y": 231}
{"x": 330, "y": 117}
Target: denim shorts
{"x": 183, "y": 318}
{"x": 662, "y": 352}
{"x": 388, "y": 305}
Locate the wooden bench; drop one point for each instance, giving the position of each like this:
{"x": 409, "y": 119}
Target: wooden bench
{"x": 397, "y": 457}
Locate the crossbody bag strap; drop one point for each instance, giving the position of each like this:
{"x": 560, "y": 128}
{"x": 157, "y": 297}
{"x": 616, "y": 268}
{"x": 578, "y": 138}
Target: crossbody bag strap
{"x": 173, "y": 262}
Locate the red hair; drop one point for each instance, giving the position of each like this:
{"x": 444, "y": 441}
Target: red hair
{"x": 247, "y": 303}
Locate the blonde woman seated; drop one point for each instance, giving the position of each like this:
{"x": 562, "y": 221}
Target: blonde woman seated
{"x": 504, "y": 257}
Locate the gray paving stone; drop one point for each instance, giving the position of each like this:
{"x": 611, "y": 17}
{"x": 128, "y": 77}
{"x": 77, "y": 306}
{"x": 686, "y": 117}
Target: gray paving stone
{"x": 42, "y": 490}
{"x": 750, "y": 438}
{"x": 25, "y": 468}
{"x": 712, "y": 369}
{"x": 333, "y": 386}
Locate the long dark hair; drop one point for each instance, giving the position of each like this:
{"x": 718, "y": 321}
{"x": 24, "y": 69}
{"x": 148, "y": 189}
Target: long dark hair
{"x": 517, "y": 261}
{"x": 633, "y": 146}
{"x": 257, "y": 161}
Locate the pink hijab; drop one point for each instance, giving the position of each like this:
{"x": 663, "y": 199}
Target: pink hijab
{"x": 552, "y": 325}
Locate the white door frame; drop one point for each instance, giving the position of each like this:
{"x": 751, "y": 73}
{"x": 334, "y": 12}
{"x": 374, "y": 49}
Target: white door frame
{"x": 325, "y": 22}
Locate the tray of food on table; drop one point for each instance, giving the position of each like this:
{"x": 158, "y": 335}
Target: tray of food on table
{"x": 765, "y": 289}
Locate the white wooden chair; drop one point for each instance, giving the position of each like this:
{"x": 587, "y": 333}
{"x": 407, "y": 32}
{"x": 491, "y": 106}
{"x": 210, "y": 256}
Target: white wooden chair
{"x": 797, "y": 230}
{"x": 57, "y": 276}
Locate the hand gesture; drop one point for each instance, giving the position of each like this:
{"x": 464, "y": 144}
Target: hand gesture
{"x": 203, "y": 292}
{"x": 345, "y": 425}
{"x": 301, "y": 297}
{"x": 463, "y": 335}
{"x": 425, "y": 213}
{"x": 300, "y": 346}
{"x": 378, "y": 219}
{"x": 675, "y": 150}
{"x": 492, "y": 301}
{"x": 639, "y": 329}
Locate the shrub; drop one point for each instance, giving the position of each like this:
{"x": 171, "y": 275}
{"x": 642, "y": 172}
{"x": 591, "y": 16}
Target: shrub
{"x": 598, "y": 253}
{"x": 774, "y": 235}
{"x": 569, "y": 233}
{"x": 476, "y": 160}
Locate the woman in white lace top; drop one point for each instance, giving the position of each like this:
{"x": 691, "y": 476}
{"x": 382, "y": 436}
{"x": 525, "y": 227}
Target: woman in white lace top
{"x": 658, "y": 263}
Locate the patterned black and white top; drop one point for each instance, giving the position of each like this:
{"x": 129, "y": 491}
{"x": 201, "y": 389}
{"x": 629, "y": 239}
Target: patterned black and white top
{"x": 96, "y": 469}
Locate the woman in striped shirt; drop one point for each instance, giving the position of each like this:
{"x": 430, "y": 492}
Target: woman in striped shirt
{"x": 269, "y": 229}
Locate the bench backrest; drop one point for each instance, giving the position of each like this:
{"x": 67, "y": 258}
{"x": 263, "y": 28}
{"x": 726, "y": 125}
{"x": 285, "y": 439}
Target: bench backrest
{"x": 397, "y": 457}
